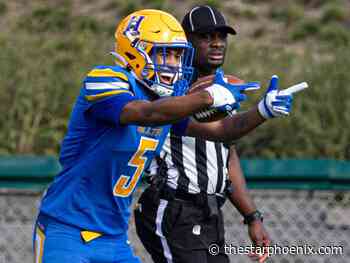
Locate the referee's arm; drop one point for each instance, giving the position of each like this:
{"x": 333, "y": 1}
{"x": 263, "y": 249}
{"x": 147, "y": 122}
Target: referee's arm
{"x": 241, "y": 199}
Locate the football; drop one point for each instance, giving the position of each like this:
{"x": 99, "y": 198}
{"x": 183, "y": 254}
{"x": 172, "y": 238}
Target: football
{"x": 210, "y": 114}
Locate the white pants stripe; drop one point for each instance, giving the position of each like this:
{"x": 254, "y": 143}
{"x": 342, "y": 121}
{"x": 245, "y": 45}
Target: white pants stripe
{"x": 160, "y": 213}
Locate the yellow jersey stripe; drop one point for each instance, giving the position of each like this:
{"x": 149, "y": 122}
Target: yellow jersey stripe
{"x": 106, "y": 94}
{"x": 107, "y": 73}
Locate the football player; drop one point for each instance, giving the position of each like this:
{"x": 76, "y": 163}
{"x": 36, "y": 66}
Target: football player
{"x": 119, "y": 122}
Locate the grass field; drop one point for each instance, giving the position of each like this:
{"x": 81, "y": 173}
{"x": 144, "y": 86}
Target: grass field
{"x": 48, "y": 46}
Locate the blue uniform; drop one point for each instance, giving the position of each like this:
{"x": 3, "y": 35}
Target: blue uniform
{"x": 102, "y": 162}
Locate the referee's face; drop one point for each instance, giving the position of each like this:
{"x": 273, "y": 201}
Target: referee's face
{"x": 210, "y": 50}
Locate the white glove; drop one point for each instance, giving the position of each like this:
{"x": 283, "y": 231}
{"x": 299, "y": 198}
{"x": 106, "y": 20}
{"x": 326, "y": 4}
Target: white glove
{"x": 223, "y": 99}
{"x": 226, "y": 96}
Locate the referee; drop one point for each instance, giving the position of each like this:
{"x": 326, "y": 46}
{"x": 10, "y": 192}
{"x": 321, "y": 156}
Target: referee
{"x": 178, "y": 215}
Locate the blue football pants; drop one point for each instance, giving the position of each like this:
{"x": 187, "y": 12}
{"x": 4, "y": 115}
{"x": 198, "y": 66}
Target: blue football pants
{"x": 55, "y": 242}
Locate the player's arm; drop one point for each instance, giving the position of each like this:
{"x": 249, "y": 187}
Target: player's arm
{"x": 170, "y": 110}
{"x": 173, "y": 109}
{"x": 165, "y": 110}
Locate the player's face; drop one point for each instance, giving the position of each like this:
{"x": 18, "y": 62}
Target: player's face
{"x": 210, "y": 50}
{"x": 172, "y": 58}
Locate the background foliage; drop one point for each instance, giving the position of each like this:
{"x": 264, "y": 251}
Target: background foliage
{"x": 48, "y": 46}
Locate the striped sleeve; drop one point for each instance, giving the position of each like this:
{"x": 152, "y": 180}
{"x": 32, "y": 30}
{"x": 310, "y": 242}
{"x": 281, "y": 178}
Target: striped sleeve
{"x": 102, "y": 83}
{"x": 107, "y": 91}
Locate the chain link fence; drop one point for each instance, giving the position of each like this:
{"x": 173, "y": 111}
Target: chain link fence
{"x": 315, "y": 220}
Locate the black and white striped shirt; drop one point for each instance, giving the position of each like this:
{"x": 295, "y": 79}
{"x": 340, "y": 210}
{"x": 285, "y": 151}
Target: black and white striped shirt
{"x": 193, "y": 165}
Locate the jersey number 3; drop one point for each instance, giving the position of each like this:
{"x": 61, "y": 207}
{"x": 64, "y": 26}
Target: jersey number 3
{"x": 122, "y": 188}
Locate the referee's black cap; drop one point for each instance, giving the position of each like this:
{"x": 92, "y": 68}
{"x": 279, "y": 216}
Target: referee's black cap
{"x": 205, "y": 19}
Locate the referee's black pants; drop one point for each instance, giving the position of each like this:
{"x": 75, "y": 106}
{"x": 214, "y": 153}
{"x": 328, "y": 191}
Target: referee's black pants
{"x": 178, "y": 231}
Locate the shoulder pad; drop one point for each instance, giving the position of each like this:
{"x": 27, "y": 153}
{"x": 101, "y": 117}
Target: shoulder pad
{"x": 107, "y": 72}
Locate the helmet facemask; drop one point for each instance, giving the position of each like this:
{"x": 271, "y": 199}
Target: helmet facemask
{"x": 168, "y": 63}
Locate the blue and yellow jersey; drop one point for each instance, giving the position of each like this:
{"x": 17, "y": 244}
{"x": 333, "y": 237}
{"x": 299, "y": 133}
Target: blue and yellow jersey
{"x": 102, "y": 160}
